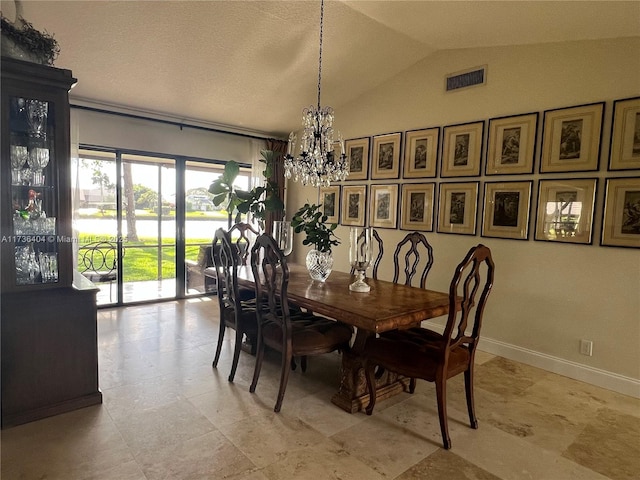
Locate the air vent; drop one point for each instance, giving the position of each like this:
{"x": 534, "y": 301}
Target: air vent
{"x": 468, "y": 78}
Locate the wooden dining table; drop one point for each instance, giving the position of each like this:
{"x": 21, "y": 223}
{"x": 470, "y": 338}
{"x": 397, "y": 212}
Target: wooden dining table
{"x": 387, "y": 306}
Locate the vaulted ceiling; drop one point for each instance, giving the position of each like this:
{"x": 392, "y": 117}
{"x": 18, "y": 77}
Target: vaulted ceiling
{"x": 253, "y": 65}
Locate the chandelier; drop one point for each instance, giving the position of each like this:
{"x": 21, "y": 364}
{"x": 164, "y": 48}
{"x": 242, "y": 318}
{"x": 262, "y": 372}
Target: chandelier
{"x": 318, "y": 163}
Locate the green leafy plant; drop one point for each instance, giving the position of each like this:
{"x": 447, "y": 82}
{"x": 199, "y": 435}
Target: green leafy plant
{"x": 258, "y": 201}
{"x": 310, "y": 220}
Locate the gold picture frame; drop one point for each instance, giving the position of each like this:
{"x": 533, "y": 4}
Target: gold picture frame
{"x": 330, "y": 203}
{"x": 384, "y": 206}
{"x": 357, "y": 151}
{"x": 416, "y": 206}
{"x": 512, "y": 144}
{"x": 565, "y": 210}
{"x": 458, "y": 208}
{"x": 462, "y": 150}
{"x": 353, "y": 205}
{"x": 385, "y": 162}
{"x": 621, "y": 217}
{"x": 624, "y": 152}
{"x": 421, "y": 153}
{"x": 571, "y": 139}
{"x": 506, "y": 210}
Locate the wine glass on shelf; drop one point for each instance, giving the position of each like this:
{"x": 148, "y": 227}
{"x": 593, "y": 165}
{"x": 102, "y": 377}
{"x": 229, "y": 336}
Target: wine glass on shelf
{"x": 19, "y": 156}
{"x": 360, "y": 256}
{"x": 38, "y": 159}
{"x": 283, "y": 235}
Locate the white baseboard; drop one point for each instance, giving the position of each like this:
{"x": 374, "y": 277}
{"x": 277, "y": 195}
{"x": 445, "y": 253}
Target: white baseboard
{"x": 584, "y": 373}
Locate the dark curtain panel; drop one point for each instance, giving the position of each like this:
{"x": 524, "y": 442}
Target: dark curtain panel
{"x": 279, "y": 147}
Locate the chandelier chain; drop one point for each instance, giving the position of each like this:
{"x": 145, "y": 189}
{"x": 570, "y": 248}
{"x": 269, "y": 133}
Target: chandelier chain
{"x": 320, "y": 56}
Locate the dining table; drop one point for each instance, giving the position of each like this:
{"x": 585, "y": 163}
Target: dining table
{"x": 387, "y": 306}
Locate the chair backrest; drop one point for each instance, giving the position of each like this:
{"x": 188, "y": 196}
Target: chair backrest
{"x": 243, "y": 243}
{"x": 98, "y": 257}
{"x": 378, "y": 259}
{"x": 271, "y": 275}
{"x": 465, "y": 292}
{"x": 412, "y": 242}
{"x": 225, "y": 260}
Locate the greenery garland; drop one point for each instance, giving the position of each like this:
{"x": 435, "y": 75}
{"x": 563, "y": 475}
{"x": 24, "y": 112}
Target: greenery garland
{"x": 42, "y": 45}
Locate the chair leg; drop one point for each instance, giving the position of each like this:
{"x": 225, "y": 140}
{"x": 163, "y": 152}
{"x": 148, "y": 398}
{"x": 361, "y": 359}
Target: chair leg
{"x": 294, "y": 365}
{"x": 256, "y": 370}
{"x": 370, "y": 375}
{"x": 236, "y": 355}
{"x": 223, "y": 327}
{"x": 412, "y": 385}
{"x": 303, "y": 363}
{"x": 284, "y": 377}
{"x": 468, "y": 384}
{"x": 441, "y": 392}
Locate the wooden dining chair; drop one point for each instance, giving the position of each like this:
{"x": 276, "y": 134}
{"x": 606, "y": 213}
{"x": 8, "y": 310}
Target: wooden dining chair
{"x": 243, "y": 242}
{"x": 291, "y": 333}
{"x": 408, "y": 253}
{"x": 423, "y": 353}
{"x": 379, "y": 246}
{"x": 235, "y": 313}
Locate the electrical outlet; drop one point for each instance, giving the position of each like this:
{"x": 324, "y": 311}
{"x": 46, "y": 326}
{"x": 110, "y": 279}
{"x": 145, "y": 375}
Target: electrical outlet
{"x": 586, "y": 347}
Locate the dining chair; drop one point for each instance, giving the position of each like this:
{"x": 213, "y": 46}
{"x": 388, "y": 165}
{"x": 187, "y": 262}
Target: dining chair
{"x": 98, "y": 263}
{"x": 235, "y": 313}
{"x": 422, "y": 353}
{"x": 291, "y": 333}
{"x": 408, "y": 253}
{"x": 380, "y": 250}
{"x": 243, "y": 242}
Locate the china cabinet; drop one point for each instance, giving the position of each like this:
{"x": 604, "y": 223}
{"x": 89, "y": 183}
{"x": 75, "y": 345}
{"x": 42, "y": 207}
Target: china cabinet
{"x": 48, "y": 315}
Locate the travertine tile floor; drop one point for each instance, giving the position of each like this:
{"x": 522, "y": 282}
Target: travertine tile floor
{"x": 168, "y": 415}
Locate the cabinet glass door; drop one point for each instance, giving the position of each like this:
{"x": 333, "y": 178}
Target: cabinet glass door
{"x": 33, "y": 193}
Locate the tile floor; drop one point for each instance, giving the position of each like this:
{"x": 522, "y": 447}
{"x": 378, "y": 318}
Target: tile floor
{"x": 168, "y": 415}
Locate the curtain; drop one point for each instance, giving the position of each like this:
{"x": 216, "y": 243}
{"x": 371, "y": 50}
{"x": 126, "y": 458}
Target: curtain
{"x": 279, "y": 147}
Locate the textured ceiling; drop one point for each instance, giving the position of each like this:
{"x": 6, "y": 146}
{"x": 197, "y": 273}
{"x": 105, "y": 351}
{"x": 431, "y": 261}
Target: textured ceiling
{"x": 253, "y": 65}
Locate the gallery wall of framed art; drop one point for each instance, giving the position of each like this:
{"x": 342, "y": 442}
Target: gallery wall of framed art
{"x": 539, "y": 172}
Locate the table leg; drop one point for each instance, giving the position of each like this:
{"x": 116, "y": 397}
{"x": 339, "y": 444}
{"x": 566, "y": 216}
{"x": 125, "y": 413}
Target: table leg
{"x": 353, "y": 394}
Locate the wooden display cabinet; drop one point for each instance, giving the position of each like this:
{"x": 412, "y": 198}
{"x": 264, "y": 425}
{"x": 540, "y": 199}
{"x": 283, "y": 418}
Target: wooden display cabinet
{"x": 48, "y": 316}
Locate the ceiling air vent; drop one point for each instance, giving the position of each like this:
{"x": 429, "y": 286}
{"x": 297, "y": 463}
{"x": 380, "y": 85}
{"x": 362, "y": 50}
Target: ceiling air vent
{"x": 468, "y": 78}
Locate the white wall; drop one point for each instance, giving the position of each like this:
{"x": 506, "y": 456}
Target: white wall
{"x": 547, "y": 296}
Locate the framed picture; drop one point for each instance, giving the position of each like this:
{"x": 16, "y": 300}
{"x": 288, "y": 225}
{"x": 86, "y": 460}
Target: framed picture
{"x": 621, "y": 221}
{"x": 357, "y": 151}
{"x": 512, "y": 144}
{"x": 457, "y": 209}
{"x": 625, "y": 135}
{"x": 506, "y": 210}
{"x": 354, "y": 205}
{"x": 565, "y": 210}
{"x": 571, "y": 139}
{"x": 462, "y": 150}
{"x": 384, "y": 206}
{"x": 421, "y": 153}
{"x": 386, "y": 156}
{"x": 330, "y": 201}
{"x": 416, "y": 207}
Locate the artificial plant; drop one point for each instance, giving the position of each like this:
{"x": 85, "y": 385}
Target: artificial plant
{"x": 310, "y": 220}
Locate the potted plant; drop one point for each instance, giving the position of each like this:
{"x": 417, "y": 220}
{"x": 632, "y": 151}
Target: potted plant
{"x": 257, "y": 201}
{"x": 310, "y": 220}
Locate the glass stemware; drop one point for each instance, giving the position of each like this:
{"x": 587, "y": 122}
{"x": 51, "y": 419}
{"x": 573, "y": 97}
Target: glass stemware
{"x": 38, "y": 159}
{"x": 360, "y": 256}
{"x": 37, "y": 118}
{"x": 19, "y": 156}
{"x": 283, "y": 235}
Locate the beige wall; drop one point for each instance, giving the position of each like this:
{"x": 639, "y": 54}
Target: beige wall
{"x": 547, "y": 296}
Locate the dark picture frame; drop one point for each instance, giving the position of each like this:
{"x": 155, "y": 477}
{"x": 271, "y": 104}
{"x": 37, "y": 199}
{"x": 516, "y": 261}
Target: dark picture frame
{"x": 357, "y": 151}
{"x": 506, "y": 210}
{"x": 330, "y": 203}
{"x": 624, "y": 151}
{"x": 512, "y": 144}
{"x": 462, "y": 150}
{"x": 421, "y": 153}
{"x": 565, "y": 210}
{"x": 416, "y": 206}
{"x": 353, "y": 208}
{"x": 385, "y": 160}
{"x": 621, "y": 215}
{"x": 458, "y": 208}
{"x": 571, "y": 139}
{"x": 384, "y": 206}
